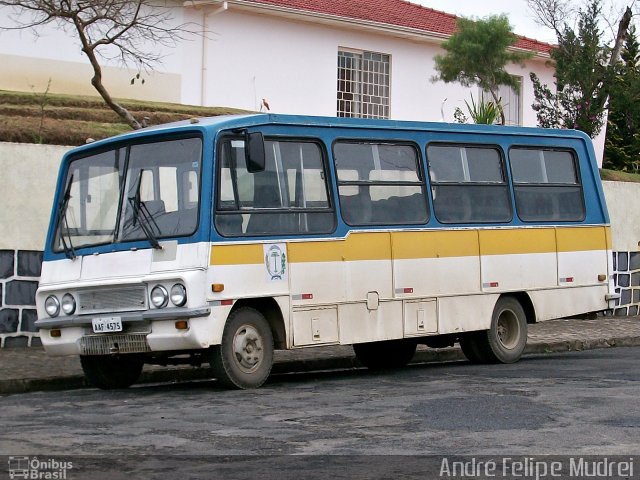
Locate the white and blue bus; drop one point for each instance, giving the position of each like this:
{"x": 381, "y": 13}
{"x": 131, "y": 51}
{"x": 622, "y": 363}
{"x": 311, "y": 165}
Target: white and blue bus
{"x": 219, "y": 240}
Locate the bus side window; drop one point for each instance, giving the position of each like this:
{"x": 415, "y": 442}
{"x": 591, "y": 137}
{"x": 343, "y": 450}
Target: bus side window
{"x": 468, "y": 184}
{"x": 546, "y": 185}
{"x": 290, "y": 196}
{"x": 380, "y": 183}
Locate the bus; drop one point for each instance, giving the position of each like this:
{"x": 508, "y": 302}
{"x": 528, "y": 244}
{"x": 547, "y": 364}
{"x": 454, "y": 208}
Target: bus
{"x": 218, "y": 240}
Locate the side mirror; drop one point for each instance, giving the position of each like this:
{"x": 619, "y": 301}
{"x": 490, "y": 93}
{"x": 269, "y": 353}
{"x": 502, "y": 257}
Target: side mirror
{"x": 254, "y": 152}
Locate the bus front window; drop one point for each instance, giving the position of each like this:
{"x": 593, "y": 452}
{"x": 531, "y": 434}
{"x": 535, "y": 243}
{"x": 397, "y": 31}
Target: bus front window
{"x": 93, "y": 189}
{"x": 139, "y": 192}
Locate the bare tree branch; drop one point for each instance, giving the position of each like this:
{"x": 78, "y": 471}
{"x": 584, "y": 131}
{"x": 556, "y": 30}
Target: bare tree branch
{"x": 123, "y": 30}
{"x": 552, "y": 14}
{"x": 623, "y": 27}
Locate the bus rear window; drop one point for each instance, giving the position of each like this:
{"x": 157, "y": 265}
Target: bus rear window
{"x": 546, "y": 184}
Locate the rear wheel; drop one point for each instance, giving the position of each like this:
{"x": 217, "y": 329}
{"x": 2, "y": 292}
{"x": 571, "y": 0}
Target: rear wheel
{"x": 387, "y": 354}
{"x": 245, "y": 356}
{"x": 504, "y": 342}
{"x": 111, "y": 372}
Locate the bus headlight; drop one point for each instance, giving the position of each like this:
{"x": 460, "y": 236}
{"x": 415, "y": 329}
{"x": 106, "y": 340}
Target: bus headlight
{"x": 178, "y": 295}
{"x": 52, "y": 306}
{"x": 68, "y": 304}
{"x": 159, "y": 296}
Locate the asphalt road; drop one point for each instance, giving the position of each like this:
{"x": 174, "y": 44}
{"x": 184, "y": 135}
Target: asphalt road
{"x": 580, "y": 403}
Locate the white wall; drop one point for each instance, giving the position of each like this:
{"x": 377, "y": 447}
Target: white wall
{"x": 28, "y": 176}
{"x": 31, "y": 58}
{"x": 294, "y": 66}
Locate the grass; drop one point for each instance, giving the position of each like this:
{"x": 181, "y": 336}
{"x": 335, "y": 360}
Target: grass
{"x": 616, "y": 176}
{"x": 57, "y": 119}
{"x": 72, "y": 119}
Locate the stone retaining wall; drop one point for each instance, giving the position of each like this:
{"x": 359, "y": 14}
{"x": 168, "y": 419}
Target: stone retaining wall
{"x": 19, "y": 273}
{"x": 627, "y": 278}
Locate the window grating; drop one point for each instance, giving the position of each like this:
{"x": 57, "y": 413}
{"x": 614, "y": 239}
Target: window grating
{"x": 511, "y": 101}
{"x": 363, "y": 84}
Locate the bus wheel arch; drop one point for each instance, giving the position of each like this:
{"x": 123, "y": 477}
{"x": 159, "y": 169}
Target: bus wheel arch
{"x": 271, "y": 311}
{"x": 506, "y": 338}
{"x": 527, "y": 306}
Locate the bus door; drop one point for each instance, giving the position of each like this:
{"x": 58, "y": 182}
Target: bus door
{"x": 381, "y": 191}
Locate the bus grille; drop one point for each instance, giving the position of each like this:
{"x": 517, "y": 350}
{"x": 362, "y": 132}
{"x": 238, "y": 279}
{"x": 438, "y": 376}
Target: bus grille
{"x": 106, "y": 300}
{"x": 108, "y": 344}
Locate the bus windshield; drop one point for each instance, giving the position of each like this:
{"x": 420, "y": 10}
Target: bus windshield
{"x": 136, "y": 192}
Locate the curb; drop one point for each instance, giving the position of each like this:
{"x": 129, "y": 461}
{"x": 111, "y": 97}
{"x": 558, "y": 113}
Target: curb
{"x": 175, "y": 375}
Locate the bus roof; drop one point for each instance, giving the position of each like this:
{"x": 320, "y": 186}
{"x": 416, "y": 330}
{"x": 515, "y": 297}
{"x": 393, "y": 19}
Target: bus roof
{"x": 226, "y": 122}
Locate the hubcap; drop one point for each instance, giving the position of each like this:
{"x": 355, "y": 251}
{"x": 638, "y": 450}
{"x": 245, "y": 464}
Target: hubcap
{"x": 247, "y": 348}
{"x": 508, "y": 329}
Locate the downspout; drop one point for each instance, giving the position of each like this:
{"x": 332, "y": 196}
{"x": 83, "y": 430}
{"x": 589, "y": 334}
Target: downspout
{"x": 205, "y": 49}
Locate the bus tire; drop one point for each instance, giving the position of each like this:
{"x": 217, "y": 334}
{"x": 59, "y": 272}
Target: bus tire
{"x": 505, "y": 340}
{"x": 468, "y": 345}
{"x": 387, "y": 354}
{"x": 245, "y": 356}
{"x": 109, "y": 372}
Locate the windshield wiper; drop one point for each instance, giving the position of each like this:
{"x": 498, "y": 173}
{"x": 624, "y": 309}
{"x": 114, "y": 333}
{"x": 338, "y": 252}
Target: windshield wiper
{"x": 63, "y": 223}
{"x": 142, "y": 216}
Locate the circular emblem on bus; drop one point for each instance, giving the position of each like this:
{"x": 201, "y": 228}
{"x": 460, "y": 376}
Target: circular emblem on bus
{"x": 276, "y": 262}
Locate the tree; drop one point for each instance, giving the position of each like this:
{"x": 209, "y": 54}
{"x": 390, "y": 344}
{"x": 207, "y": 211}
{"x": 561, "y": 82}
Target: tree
{"x": 622, "y": 145}
{"x": 123, "y": 30}
{"x": 477, "y": 55}
{"x": 584, "y": 68}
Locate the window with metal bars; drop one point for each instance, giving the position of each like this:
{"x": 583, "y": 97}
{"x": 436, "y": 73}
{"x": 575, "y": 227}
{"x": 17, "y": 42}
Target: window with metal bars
{"x": 363, "y": 84}
{"x": 511, "y": 100}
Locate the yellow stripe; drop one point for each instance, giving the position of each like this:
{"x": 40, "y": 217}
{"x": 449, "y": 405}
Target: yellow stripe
{"x": 582, "y": 239}
{"x": 452, "y": 243}
{"x": 237, "y": 254}
{"x": 517, "y": 241}
{"x": 360, "y": 246}
{"x": 357, "y": 246}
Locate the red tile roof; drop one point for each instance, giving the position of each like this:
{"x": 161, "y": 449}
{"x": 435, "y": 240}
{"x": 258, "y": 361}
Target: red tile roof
{"x": 399, "y": 13}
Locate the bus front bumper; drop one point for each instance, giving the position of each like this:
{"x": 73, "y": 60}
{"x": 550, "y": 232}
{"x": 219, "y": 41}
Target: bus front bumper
{"x": 142, "y": 332}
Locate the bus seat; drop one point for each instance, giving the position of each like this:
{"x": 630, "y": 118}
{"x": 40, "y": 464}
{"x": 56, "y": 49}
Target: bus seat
{"x": 155, "y": 207}
{"x": 356, "y": 209}
{"x": 452, "y": 204}
{"x": 266, "y": 195}
{"x": 229, "y": 224}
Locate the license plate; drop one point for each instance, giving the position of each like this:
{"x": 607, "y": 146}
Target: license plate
{"x": 107, "y": 324}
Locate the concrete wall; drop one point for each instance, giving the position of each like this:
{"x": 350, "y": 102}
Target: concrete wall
{"x": 28, "y": 176}
{"x": 26, "y": 74}
{"x": 623, "y": 202}
{"x": 624, "y": 211}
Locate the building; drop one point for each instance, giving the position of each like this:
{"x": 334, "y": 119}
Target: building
{"x": 370, "y": 58}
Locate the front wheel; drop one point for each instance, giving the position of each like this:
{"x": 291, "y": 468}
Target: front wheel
{"x": 111, "y": 372}
{"x": 387, "y": 354}
{"x": 245, "y": 356}
{"x": 504, "y": 342}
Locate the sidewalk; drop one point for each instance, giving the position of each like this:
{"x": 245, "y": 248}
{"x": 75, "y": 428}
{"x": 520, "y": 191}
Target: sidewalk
{"x": 31, "y": 369}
